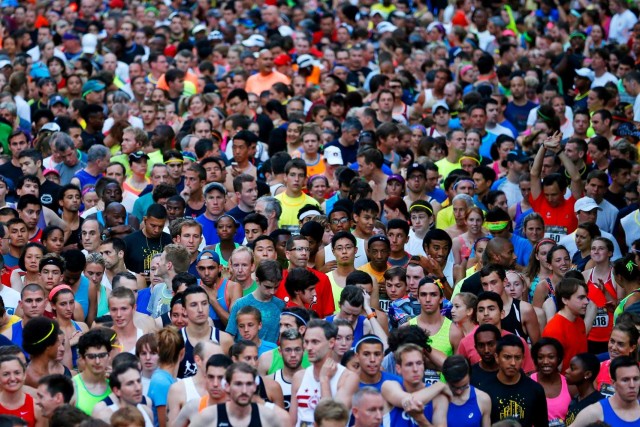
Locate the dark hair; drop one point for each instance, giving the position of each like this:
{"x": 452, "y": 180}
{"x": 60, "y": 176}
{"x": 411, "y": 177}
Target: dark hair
{"x": 566, "y": 288}
{"x": 509, "y": 340}
{"x": 487, "y": 328}
{"x": 436, "y": 234}
{"x": 621, "y": 362}
{"x": 544, "y": 341}
{"x": 93, "y": 338}
{"x": 58, "y": 383}
{"x": 219, "y": 361}
{"x": 398, "y": 224}
{"x": 39, "y": 334}
{"x": 455, "y": 368}
{"x": 412, "y": 334}
{"x": 329, "y": 329}
{"x": 298, "y": 280}
{"x": 21, "y": 262}
{"x": 119, "y": 369}
{"x": 358, "y": 277}
{"x": 157, "y": 211}
{"x": 256, "y": 218}
{"x": 590, "y": 363}
{"x": 353, "y": 295}
{"x": 491, "y": 296}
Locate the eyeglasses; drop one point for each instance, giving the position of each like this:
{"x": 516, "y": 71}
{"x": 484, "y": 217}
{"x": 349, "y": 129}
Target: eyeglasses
{"x": 461, "y": 388}
{"x": 93, "y": 356}
{"x": 343, "y": 248}
{"x": 301, "y": 249}
{"x": 340, "y": 221}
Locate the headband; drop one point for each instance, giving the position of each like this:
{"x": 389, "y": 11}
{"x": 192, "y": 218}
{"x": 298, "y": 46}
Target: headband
{"x": 542, "y": 242}
{"x": 496, "y": 225}
{"x": 308, "y": 214}
{"x": 470, "y": 158}
{"x": 543, "y": 116}
{"x": 189, "y": 155}
{"x": 463, "y": 180}
{"x": 174, "y": 160}
{"x": 57, "y": 289}
{"x": 289, "y": 313}
{"x": 421, "y": 205}
{"x": 364, "y": 339}
{"x": 88, "y": 190}
{"x": 466, "y": 68}
{"x": 314, "y": 177}
{"x": 53, "y": 328}
{"x": 472, "y": 43}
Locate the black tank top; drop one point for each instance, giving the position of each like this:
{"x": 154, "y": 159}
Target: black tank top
{"x": 262, "y": 391}
{"x": 223, "y": 417}
{"x": 513, "y": 321}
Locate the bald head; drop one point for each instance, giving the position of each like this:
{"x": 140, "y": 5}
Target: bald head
{"x": 114, "y": 214}
{"x": 499, "y": 251}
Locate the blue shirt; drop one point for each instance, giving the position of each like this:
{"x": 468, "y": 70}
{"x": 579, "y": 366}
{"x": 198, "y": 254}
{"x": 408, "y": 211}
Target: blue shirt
{"x": 518, "y": 115}
{"x": 210, "y": 234}
{"x": 385, "y": 377}
{"x": 438, "y": 194}
{"x": 266, "y": 346}
{"x": 270, "y": 312}
{"x": 142, "y": 301}
{"x": 161, "y": 381}
{"x": 485, "y": 145}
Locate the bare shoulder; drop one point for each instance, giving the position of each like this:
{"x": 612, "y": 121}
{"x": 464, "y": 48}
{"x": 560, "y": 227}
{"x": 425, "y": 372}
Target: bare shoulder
{"x": 484, "y": 400}
{"x": 273, "y": 416}
{"x": 206, "y": 418}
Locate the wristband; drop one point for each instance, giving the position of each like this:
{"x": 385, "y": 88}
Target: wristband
{"x": 372, "y": 315}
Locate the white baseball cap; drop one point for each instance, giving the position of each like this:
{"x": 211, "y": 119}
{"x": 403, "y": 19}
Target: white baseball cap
{"x": 585, "y": 204}
{"x": 333, "y": 156}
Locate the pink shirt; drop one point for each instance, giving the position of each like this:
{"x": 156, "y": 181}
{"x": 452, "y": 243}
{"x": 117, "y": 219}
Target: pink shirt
{"x": 467, "y": 349}
{"x": 558, "y": 406}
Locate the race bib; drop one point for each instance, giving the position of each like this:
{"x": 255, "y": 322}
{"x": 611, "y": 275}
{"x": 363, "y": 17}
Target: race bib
{"x": 557, "y": 422}
{"x": 555, "y": 232}
{"x": 431, "y": 377}
{"x": 602, "y": 319}
{"x": 607, "y": 390}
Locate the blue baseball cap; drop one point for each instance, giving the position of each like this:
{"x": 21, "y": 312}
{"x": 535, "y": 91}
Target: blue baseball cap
{"x": 92, "y": 86}
{"x": 208, "y": 254}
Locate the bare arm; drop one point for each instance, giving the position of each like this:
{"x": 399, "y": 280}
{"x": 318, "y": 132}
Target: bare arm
{"x": 175, "y": 401}
{"x": 264, "y": 362}
{"x": 455, "y": 336}
{"x": 577, "y": 187}
{"x": 540, "y": 294}
{"x": 295, "y": 385}
{"x": 162, "y": 415}
{"x": 182, "y": 419}
{"x": 16, "y": 280}
{"x": 536, "y": 170}
{"x": 530, "y": 321}
{"x": 347, "y": 387}
{"x": 93, "y": 304}
{"x": 440, "y": 407}
{"x": 235, "y": 293}
{"x": 274, "y": 391}
{"x": 588, "y": 415}
{"x": 590, "y": 316}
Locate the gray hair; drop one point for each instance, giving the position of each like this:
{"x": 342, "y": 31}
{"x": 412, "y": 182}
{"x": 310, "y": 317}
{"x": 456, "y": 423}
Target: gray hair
{"x": 351, "y": 124}
{"x": 10, "y": 107}
{"x": 271, "y": 205}
{"x": 367, "y": 390}
{"x": 467, "y": 199}
{"x": 120, "y": 97}
{"x": 184, "y": 142}
{"x": 119, "y": 109}
{"x": 97, "y": 152}
{"x": 62, "y": 142}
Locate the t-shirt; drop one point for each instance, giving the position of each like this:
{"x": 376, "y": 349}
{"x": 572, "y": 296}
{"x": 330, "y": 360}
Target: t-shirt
{"x": 518, "y": 114}
{"x": 270, "y": 312}
{"x": 140, "y": 250}
{"x": 485, "y": 146}
{"x": 578, "y": 405}
{"x": 161, "y": 381}
{"x": 210, "y": 234}
{"x": 290, "y": 207}
{"x": 160, "y": 301}
{"x": 572, "y": 335}
{"x": 258, "y": 83}
{"x": 523, "y": 401}
{"x": 445, "y": 167}
{"x": 467, "y": 349}
{"x": 11, "y": 298}
{"x": 479, "y": 376}
{"x": 324, "y": 305}
{"x": 559, "y": 221}
{"x": 349, "y": 153}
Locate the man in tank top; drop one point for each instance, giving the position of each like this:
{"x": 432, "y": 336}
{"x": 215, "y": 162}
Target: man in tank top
{"x": 623, "y": 408}
{"x": 324, "y": 378}
{"x": 239, "y": 410}
{"x": 292, "y": 350}
{"x": 90, "y": 385}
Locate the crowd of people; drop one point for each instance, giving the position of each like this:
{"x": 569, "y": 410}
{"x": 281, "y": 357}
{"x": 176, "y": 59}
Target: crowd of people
{"x": 348, "y": 213}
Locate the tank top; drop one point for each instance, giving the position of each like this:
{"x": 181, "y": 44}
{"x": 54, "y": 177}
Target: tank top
{"x": 620, "y": 308}
{"x": 309, "y": 395}
{"x": 610, "y": 416}
{"x": 82, "y": 295}
{"x": 262, "y": 390}
{"x": 85, "y": 400}
{"x": 74, "y": 349}
{"x": 216, "y": 249}
{"x": 285, "y": 386}
{"x": 27, "y": 411}
{"x": 603, "y": 380}
{"x": 337, "y": 291}
{"x": 466, "y": 415}
{"x": 439, "y": 340}
{"x": 603, "y": 323}
{"x": 558, "y": 406}
{"x": 358, "y": 331}
{"x": 16, "y": 336}
{"x": 190, "y": 389}
{"x": 513, "y": 321}
{"x": 465, "y": 251}
{"x": 223, "y": 417}
{"x": 188, "y": 366}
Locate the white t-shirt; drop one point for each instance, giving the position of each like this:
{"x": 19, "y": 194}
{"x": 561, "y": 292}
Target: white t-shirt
{"x": 603, "y": 80}
{"x": 607, "y": 216}
{"x": 636, "y": 109}
{"x": 621, "y": 25}
{"x": 361, "y": 254}
{"x": 11, "y": 298}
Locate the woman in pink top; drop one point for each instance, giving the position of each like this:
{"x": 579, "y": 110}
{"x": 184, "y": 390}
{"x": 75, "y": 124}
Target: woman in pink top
{"x": 623, "y": 342}
{"x": 547, "y": 354}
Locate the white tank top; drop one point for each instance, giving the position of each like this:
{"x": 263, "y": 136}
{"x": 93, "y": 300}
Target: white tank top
{"x": 190, "y": 389}
{"x": 278, "y": 376}
{"x": 308, "y": 400}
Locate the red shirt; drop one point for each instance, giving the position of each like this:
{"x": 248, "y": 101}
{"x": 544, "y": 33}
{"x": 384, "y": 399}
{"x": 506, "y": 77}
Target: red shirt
{"x": 324, "y": 304}
{"x": 558, "y": 221}
{"x": 572, "y": 335}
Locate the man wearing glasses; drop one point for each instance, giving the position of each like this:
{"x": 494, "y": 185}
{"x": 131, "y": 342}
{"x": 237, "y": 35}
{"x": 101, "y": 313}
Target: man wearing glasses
{"x": 90, "y": 385}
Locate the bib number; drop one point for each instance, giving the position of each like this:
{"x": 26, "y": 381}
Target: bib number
{"x": 602, "y": 319}
{"x": 431, "y": 377}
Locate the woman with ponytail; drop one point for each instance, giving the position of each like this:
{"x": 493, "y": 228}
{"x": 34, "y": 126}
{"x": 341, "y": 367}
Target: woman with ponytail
{"x": 626, "y": 274}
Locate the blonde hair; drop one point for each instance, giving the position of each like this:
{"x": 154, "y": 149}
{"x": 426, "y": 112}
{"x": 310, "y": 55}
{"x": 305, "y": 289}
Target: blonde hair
{"x": 127, "y": 416}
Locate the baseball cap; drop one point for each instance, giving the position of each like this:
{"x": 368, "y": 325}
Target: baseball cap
{"x": 208, "y": 254}
{"x": 333, "y": 155}
{"x": 198, "y": 28}
{"x": 585, "y": 204}
{"x": 138, "y": 155}
{"x": 50, "y": 171}
{"x": 4, "y": 63}
{"x": 70, "y": 36}
{"x": 254, "y": 40}
{"x": 397, "y": 178}
{"x": 586, "y": 73}
{"x": 439, "y": 104}
{"x": 58, "y": 99}
{"x": 305, "y": 60}
{"x": 282, "y": 59}
{"x": 214, "y": 186}
{"x": 386, "y": 27}
{"x": 517, "y": 156}
{"x": 416, "y": 167}
{"x": 50, "y": 127}
{"x": 379, "y": 13}
{"x": 92, "y": 86}
{"x": 378, "y": 238}
{"x": 215, "y": 35}
{"x": 89, "y": 43}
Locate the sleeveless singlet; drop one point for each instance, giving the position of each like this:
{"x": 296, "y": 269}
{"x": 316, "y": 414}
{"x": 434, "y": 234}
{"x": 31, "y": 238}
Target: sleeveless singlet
{"x": 188, "y": 366}
{"x": 620, "y": 308}
{"x": 466, "y": 415}
{"x": 27, "y": 411}
{"x": 262, "y": 390}
{"x": 465, "y": 251}
{"x": 612, "y": 418}
{"x": 285, "y": 386}
{"x": 74, "y": 349}
{"x": 557, "y": 407}
{"x": 221, "y": 296}
{"x": 603, "y": 323}
{"x": 85, "y": 400}
{"x": 223, "y": 417}
{"x": 216, "y": 249}
{"x": 440, "y": 340}
{"x": 337, "y": 291}
{"x": 513, "y": 321}
{"x": 309, "y": 395}
{"x": 190, "y": 389}
{"x": 82, "y": 295}
{"x": 358, "y": 331}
